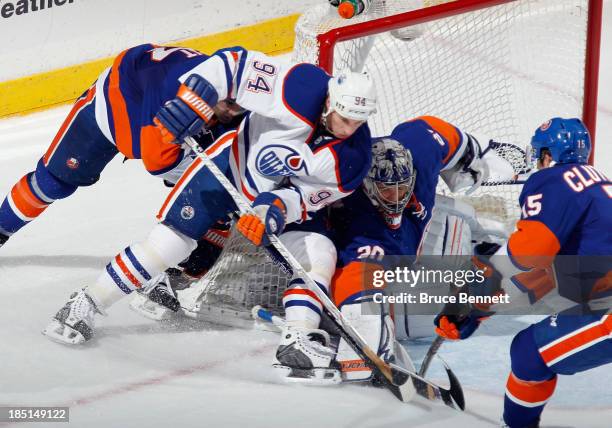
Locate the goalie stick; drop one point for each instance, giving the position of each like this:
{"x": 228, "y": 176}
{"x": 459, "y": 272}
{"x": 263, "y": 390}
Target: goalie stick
{"x": 431, "y": 352}
{"x": 401, "y": 382}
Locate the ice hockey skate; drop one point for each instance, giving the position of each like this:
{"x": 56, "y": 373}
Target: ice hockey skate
{"x": 74, "y": 323}
{"x": 157, "y": 300}
{"x": 304, "y": 356}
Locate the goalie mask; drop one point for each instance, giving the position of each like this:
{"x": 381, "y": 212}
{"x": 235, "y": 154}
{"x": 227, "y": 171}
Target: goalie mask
{"x": 391, "y": 179}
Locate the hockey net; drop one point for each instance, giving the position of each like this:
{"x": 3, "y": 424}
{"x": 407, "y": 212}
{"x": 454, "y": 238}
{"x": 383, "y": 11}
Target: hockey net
{"x": 244, "y": 276}
{"x": 496, "y": 69}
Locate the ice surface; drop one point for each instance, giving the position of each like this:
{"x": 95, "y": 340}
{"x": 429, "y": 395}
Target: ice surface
{"x": 138, "y": 373}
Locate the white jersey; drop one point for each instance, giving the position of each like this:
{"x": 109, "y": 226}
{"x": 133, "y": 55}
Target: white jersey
{"x": 280, "y": 146}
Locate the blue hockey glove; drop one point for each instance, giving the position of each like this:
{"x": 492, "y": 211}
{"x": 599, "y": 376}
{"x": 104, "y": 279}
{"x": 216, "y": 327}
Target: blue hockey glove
{"x": 269, "y": 219}
{"x": 186, "y": 114}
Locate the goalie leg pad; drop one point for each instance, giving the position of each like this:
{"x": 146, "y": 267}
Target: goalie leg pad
{"x": 449, "y": 231}
{"x": 378, "y": 331}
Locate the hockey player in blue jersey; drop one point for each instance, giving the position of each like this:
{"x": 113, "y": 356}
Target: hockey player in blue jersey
{"x": 566, "y": 210}
{"x": 115, "y": 115}
{"x": 303, "y": 145}
{"x": 387, "y": 215}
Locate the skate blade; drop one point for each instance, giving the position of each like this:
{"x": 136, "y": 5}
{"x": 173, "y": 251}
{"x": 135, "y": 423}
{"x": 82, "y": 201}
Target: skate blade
{"x": 317, "y": 377}
{"x": 149, "y": 309}
{"x": 62, "y": 333}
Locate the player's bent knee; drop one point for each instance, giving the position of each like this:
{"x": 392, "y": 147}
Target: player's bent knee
{"x": 169, "y": 245}
{"x": 527, "y": 363}
{"x": 315, "y": 252}
{"x": 50, "y": 187}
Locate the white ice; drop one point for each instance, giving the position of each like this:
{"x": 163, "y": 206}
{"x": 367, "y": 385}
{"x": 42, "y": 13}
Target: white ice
{"x": 138, "y": 373}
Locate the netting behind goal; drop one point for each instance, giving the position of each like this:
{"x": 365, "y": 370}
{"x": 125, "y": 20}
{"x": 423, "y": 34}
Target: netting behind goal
{"x": 243, "y": 277}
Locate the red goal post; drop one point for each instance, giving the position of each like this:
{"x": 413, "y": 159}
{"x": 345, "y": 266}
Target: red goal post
{"x": 329, "y": 39}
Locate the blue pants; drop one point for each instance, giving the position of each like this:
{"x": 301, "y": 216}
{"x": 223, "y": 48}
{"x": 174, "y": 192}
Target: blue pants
{"x": 561, "y": 344}
{"x": 198, "y": 200}
{"x": 76, "y": 157}
{"x": 79, "y": 152}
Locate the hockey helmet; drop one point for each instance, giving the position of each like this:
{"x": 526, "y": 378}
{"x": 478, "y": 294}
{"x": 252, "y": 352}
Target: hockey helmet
{"x": 352, "y": 95}
{"x": 567, "y": 141}
{"x": 391, "y": 178}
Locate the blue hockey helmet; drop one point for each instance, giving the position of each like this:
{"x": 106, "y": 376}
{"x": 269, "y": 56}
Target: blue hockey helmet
{"x": 391, "y": 178}
{"x": 567, "y": 140}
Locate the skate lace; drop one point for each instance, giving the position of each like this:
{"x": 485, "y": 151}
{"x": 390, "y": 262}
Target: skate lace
{"x": 82, "y": 307}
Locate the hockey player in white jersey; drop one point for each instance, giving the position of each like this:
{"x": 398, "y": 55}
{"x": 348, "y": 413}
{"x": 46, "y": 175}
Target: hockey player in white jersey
{"x": 304, "y": 145}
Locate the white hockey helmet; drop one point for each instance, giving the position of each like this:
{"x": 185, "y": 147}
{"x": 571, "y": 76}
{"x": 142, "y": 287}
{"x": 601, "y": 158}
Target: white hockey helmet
{"x": 352, "y": 95}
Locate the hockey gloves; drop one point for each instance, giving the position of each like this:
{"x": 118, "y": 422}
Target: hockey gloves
{"x": 269, "y": 219}
{"x": 459, "y": 327}
{"x": 188, "y": 112}
{"x": 458, "y": 322}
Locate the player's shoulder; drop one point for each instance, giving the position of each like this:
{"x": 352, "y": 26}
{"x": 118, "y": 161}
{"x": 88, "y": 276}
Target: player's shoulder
{"x": 429, "y": 136}
{"x": 545, "y": 179}
{"x": 565, "y": 179}
{"x": 305, "y": 90}
{"x": 429, "y": 148}
{"x": 353, "y": 158}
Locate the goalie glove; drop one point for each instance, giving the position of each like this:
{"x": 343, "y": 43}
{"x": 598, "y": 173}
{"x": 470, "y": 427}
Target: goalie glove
{"x": 186, "y": 114}
{"x": 269, "y": 219}
{"x": 469, "y": 172}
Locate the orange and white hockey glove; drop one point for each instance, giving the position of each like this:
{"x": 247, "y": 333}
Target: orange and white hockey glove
{"x": 269, "y": 219}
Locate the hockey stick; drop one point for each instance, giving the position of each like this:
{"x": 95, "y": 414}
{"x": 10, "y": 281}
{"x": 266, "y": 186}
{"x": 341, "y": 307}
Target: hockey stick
{"x": 402, "y": 383}
{"x": 431, "y": 352}
{"x": 262, "y": 314}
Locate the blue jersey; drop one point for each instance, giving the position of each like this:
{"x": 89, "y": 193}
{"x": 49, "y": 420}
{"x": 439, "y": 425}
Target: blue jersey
{"x": 131, "y": 92}
{"x": 360, "y": 230}
{"x": 568, "y": 208}
{"x": 565, "y": 210}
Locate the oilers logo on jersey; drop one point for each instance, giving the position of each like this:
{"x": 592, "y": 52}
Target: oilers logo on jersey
{"x": 277, "y": 159}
